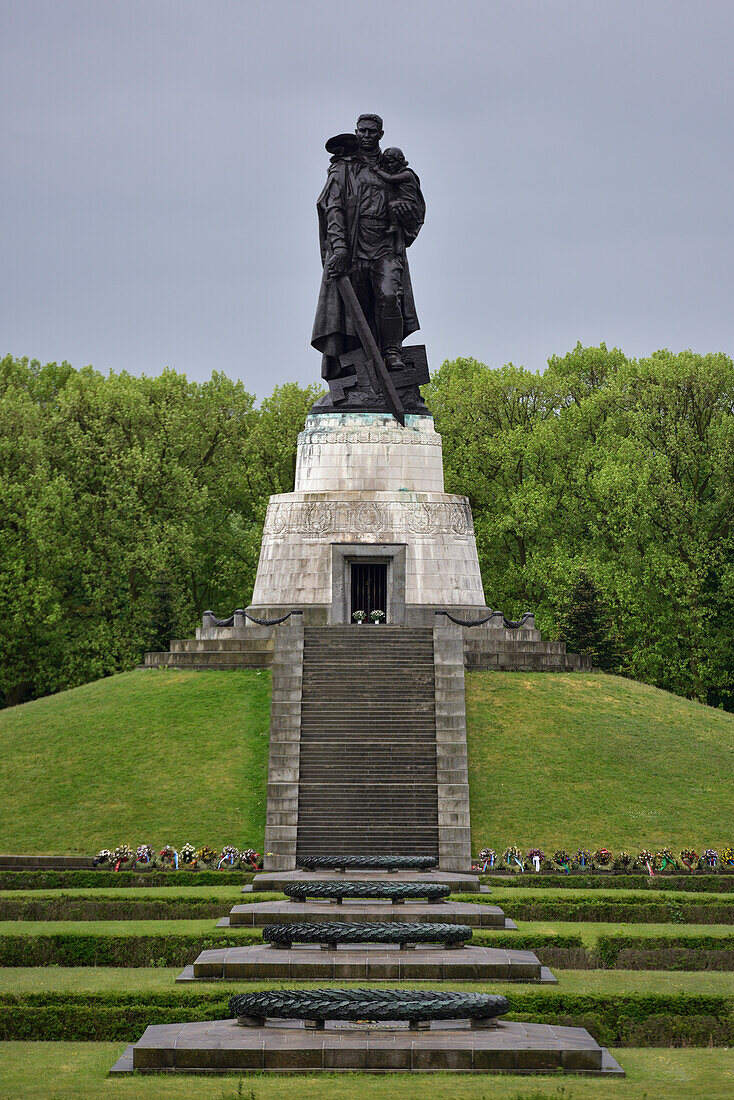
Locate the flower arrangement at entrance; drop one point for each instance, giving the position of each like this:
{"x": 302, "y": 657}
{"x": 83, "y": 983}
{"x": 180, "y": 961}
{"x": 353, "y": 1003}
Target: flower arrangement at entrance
{"x": 146, "y": 858}
{"x": 487, "y": 858}
{"x": 536, "y": 857}
{"x": 230, "y": 855}
{"x": 689, "y": 858}
{"x": 602, "y": 857}
{"x": 168, "y": 856}
{"x": 709, "y": 858}
{"x": 377, "y": 617}
{"x": 645, "y": 859}
{"x": 359, "y": 617}
{"x": 122, "y": 854}
{"x": 206, "y": 855}
{"x": 665, "y": 859}
{"x": 583, "y": 858}
{"x": 562, "y": 859}
{"x": 512, "y": 857}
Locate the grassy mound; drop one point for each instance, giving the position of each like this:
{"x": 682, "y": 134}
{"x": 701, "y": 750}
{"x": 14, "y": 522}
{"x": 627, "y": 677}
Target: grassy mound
{"x": 166, "y": 757}
{"x": 569, "y": 760}
{"x": 144, "y": 757}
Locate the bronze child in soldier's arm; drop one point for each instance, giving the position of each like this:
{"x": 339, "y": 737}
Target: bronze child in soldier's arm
{"x": 393, "y": 169}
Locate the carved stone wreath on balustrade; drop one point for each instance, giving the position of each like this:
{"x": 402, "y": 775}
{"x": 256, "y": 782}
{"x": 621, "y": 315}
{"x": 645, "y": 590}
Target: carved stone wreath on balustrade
{"x": 330, "y": 934}
{"x": 397, "y": 892}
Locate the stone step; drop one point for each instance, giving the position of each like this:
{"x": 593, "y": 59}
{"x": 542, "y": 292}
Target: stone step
{"x": 220, "y": 645}
{"x": 212, "y": 661}
{"x": 475, "y": 914}
{"x": 363, "y": 962}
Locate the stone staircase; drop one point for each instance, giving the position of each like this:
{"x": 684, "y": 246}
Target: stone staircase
{"x": 367, "y": 774}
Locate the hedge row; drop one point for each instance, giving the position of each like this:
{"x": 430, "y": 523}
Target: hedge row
{"x": 77, "y": 949}
{"x": 702, "y": 883}
{"x": 642, "y": 953}
{"x": 562, "y": 951}
{"x": 625, "y": 1020}
{"x": 65, "y": 907}
{"x": 83, "y": 880}
{"x": 82, "y": 908}
{"x": 669, "y": 911}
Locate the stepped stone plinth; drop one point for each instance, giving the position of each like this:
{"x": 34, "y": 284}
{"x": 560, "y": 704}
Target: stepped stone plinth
{"x": 222, "y": 1046}
{"x": 276, "y": 881}
{"x": 371, "y": 963}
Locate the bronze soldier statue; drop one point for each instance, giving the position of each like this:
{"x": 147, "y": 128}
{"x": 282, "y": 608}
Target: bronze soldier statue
{"x": 370, "y": 211}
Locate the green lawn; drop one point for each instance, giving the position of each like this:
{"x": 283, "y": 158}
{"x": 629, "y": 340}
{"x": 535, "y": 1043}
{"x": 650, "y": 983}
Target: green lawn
{"x": 589, "y": 760}
{"x": 101, "y": 979}
{"x": 168, "y": 757}
{"x": 68, "y": 1071}
{"x": 587, "y": 930}
{"x": 140, "y": 758}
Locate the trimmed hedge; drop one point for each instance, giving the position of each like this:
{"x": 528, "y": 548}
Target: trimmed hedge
{"x": 666, "y": 952}
{"x": 77, "y": 949}
{"x": 561, "y": 951}
{"x": 624, "y": 1020}
{"x": 696, "y": 883}
{"x": 668, "y": 911}
{"x": 100, "y": 908}
{"x": 83, "y": 880}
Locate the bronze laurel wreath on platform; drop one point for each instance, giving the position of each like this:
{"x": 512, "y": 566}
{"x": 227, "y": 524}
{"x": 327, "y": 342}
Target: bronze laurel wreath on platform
{"x": 367, "y": 1004}
{"x": 366, "y": 863}
{"x": 366, "y": 932}
{"x": 432, "y": 891}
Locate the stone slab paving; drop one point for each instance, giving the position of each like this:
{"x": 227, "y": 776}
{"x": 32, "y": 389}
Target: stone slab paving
{"x": 259, "y": 913}
{"x": 222, "y": 1046}
{"x": 276, "y": 880}
{"x": 386, "y": 962}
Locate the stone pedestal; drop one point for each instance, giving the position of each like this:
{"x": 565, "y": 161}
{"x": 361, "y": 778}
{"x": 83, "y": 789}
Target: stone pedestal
{"x": 259, "y": 913}
{"x": 222, "y": 1046}
{"x": 367, "y": 489}
{"x": 367, "y": 962}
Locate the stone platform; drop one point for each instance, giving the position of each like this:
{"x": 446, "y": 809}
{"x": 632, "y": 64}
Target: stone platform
{"x": 259, "y": 913}
{"x": 374, "y": 962}
{"x": 222, "y": 1046}
{"x": 276, "y": 880}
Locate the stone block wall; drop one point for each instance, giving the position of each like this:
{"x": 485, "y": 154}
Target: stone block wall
{"x": 452, "y": 766}
{"x": 281, "y": 823}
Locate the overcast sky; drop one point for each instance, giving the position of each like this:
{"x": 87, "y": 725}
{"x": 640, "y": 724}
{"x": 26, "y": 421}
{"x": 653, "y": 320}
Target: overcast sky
{"x": 162, "y": 159}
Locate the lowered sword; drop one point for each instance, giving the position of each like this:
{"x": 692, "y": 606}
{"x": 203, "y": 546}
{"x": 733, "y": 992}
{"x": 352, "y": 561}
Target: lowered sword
{"x": 370, "y": 347}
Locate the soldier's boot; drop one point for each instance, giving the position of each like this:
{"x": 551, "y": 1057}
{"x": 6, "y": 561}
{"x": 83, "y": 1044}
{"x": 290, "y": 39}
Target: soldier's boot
{"x": 391, "y": 339}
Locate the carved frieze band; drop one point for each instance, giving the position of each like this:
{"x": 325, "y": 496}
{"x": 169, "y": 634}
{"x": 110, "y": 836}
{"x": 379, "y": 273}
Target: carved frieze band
{"x": 369, "y": 435}
{"x": 325, "y": 517}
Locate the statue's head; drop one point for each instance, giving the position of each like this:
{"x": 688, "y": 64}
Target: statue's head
{"x": 369, "y": 131}
{"x": 393, "y": 160}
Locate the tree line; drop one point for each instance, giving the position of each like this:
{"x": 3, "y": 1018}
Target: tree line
{"x": 601, "y": 491}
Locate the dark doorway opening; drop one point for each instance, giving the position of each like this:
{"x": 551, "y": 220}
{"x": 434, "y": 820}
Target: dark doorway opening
{"x": 369, "y": 587}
